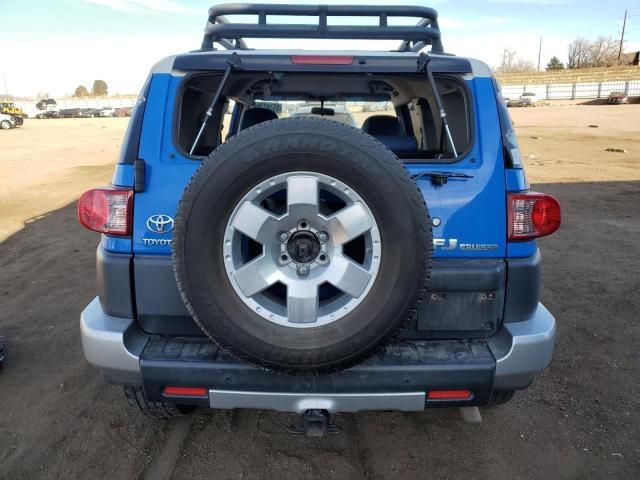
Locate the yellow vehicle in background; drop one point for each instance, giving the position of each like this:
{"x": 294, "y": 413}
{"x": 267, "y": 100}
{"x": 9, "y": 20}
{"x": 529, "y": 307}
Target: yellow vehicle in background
{"x": 10, "y": 108}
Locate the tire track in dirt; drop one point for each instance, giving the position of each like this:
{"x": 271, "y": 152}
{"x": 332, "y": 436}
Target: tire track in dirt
{"x": 162, "y": 467}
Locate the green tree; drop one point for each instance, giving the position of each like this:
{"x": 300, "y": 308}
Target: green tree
{"x": 99, "y": 88}
{"x": 555, "y": 64}
{"x": 81, "y": 91}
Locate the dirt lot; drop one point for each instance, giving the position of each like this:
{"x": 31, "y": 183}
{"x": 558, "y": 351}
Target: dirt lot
{"x": 59, "y": 419}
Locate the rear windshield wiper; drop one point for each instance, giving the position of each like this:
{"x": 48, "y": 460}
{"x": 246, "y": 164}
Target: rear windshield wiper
{"x": 424, "y": 64}
{"x": 440, "y": 178}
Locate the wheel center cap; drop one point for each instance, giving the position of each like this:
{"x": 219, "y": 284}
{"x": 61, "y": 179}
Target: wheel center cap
{"x": 303, "y": 247}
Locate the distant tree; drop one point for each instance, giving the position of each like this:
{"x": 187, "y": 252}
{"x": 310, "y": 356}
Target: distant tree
{"x": 510, "y": 63}
{"x": 583, "y": 53}
{"x": 603, "y": 52}
{"x": 555, "y": 64}
{"x": 508, "y": 58}
{"x": 99, "y": 88}
{"x": 578, "y": 53}
{"x": 81, "y": 91}
{"x": 42, "y": 94}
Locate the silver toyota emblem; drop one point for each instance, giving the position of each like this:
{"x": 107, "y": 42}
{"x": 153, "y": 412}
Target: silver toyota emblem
{"x": 160, "y": 223}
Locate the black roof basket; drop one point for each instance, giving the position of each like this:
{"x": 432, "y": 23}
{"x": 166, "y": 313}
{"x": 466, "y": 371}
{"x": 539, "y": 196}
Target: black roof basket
{"x": 231, "y": 35}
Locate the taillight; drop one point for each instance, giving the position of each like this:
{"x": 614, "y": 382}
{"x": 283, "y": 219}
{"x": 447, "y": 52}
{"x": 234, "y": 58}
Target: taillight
{"x": 321, "y": 59}
{"x": 185, "y": 392}
{"x": 106, "y": 210}
{"x": 449, "y": 395}
{"x": 532, "y": 215}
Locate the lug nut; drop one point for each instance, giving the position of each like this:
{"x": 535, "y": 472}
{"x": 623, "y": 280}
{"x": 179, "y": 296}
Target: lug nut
{"x": 323, "y": 237}
{"x": 284, "y": 259}
{"x": 303, "y": 270}
{"x": 283, "y": 236}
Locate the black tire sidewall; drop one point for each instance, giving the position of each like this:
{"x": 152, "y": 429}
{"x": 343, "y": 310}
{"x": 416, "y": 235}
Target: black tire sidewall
{"x": 286, "y": 146}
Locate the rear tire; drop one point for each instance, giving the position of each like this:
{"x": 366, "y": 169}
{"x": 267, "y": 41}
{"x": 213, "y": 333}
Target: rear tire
{"x": 500, "y": 397}
{"x": 5, "y": 125}
{"x": 157, "y": 410}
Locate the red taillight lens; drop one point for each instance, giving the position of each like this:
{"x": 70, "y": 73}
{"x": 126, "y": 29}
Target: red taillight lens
{"x": 532, "y": 215}
{"x": 185, "y": 392}
{"x": 321, "y": 59}
{"x": 449, "y": 395}
{"x": 106, "y": 210}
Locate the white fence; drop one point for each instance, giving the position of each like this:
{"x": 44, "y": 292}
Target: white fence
{"x": 574, "y": 91}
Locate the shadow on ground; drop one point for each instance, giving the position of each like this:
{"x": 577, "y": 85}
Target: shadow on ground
{"x": 59, "y": 419}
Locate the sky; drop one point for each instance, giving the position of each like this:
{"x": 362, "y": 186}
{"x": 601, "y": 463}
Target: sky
{"x": 55, "y": 45}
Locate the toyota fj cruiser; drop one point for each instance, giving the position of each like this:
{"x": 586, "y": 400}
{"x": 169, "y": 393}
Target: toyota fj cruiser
{"x": 299, "y": 263}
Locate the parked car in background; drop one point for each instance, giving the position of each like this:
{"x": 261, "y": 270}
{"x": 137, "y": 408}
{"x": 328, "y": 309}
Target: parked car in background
{"x": 618, "y": 98}
{"x": 122, "y": 112}
{"x": 528, "y": 99}
{"x": 48, "y": 114}
{"x": 511, "y": 101}
{"x": 89, "y": 112}
{"x": 106, "y": 112}
{"x": 7, "y": 121}
{"x": 70, "y": 113}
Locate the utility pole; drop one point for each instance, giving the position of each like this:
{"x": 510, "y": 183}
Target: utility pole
{"x": 539, "y": 53}
{"x": 6, "y": 90}
{"x": 624, "y": 24}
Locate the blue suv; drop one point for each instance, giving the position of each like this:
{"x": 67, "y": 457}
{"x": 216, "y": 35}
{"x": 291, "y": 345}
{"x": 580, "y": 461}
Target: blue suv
{"x": 318, "y": 231}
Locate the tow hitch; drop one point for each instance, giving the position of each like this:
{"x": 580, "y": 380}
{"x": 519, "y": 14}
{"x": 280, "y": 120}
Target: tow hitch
{"x": 315, "y": 424}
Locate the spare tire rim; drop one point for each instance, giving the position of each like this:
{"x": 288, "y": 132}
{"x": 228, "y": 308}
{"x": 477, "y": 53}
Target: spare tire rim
{"x": 302, "y": 249}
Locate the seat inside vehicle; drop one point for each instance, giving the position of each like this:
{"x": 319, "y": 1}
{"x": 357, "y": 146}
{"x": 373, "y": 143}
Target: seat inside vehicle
{"x": 388, "y": 130}
{"x": 398, "y": 110}
{"x": 255, "y": 115}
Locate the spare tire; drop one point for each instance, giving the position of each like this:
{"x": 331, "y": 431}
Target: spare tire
{"x": 302, "y": 244}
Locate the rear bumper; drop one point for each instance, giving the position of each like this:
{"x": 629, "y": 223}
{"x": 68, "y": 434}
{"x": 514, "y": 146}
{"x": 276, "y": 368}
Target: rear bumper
{"x": 112, "y": 344}
{"x": 395, "y": 379}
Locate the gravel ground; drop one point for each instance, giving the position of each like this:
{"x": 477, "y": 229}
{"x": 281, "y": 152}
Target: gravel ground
{"x": 59, "y": 419}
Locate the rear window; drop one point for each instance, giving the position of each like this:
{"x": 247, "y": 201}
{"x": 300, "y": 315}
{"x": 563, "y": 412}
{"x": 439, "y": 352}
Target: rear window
{"x": 398, "y": 110}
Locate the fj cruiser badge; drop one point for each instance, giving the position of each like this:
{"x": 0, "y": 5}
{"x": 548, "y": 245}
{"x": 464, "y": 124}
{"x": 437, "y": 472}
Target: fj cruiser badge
{"x": 452, "y": 244}
{"x": 160, "y": 223}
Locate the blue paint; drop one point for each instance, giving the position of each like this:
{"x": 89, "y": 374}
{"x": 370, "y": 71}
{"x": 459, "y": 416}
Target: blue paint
{"x": 123, "y": 175}
{"x": 472, "y": 211}
{"x": 116, "y": 244}
{"x": 516, "y": 180}
{"x": 522, "y": 249}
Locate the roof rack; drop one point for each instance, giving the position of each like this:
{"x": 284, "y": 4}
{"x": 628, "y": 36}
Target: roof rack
{"x": 231, "y": 35}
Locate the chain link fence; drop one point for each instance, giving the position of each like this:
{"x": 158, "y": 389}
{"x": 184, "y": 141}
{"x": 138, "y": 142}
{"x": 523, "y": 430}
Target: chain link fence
{"x": 575, "y": 91}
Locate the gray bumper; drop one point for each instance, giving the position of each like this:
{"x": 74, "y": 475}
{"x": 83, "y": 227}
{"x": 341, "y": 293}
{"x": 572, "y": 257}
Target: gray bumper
{"x": 523, "y": 349}
{"x": 331, "y": 402}
{"x": 114, "y": 346}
